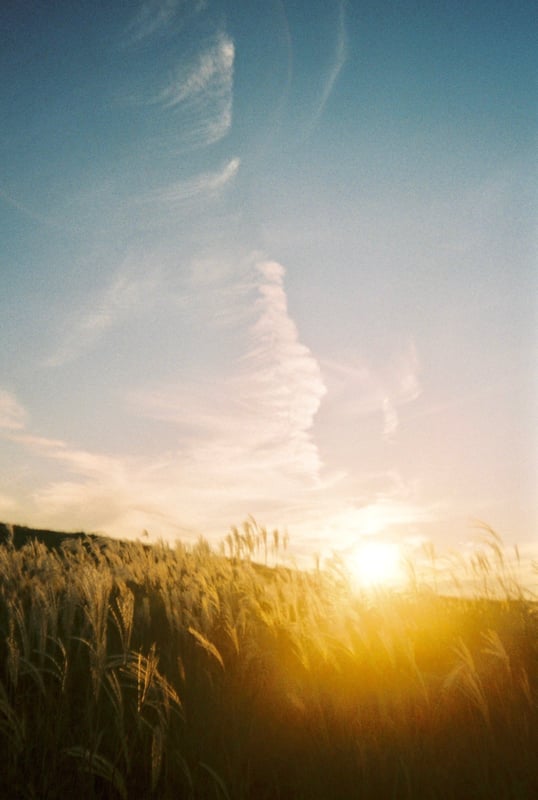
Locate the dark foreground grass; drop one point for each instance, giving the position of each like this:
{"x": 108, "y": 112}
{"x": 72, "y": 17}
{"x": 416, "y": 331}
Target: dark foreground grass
{"x": 129, "y": 671}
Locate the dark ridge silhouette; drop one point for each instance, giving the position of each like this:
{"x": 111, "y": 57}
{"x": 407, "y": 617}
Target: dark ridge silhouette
{"x": 19, "y": 535}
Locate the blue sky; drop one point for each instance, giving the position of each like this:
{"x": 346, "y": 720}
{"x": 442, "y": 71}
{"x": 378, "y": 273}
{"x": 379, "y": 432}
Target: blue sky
{"x": 269, "y": 258}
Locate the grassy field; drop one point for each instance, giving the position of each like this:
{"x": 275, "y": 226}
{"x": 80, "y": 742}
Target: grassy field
{"x": 132, "y": 671}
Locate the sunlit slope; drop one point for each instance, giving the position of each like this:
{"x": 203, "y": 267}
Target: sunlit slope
{"x": 133, "y": 671}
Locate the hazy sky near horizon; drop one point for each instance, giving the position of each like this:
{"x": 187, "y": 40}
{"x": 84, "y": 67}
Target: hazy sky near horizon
{"x": 269, "y": 258}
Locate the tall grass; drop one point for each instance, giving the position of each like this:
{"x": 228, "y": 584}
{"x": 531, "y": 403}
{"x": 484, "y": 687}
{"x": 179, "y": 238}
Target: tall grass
{"x": 129, "y": 671}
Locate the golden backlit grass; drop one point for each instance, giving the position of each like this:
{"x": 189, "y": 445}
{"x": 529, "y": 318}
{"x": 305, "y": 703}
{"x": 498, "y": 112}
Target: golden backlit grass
{"x": 129, "y": 671}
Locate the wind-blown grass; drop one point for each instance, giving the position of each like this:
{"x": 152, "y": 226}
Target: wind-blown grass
{"x": 129, "y": 671}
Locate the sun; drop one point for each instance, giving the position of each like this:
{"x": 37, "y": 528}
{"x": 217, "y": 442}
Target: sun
{"x": 375, "y": 564}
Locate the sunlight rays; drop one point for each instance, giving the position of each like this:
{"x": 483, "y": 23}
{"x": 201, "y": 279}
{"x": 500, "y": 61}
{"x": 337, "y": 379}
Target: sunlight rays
{"x": 376, "y": 564}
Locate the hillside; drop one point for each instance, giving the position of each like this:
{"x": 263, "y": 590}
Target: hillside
{"x": 132, "y": 671}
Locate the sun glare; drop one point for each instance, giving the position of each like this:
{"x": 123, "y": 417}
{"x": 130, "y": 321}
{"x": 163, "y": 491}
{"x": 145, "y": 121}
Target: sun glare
{"x": 374, "y": 564}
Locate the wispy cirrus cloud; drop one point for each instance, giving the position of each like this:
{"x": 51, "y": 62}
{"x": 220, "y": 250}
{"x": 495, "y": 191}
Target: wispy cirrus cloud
{"x": 201, "y": 91}
{"x": 338, "y": 60}
{"x": 128, "y": 293}
{"x": 86, "y": 491}
{"x": 282, "y": 381}
{"x": 24, "y": 209}
{"x": 12, "y": 415}
{"x": 206, "y": 184}
{"x": 403, "y": 387}
{"x": 259, "y": 418}
{"x": 363, "y": 389}
{"x": 78, "y": 460}
{"x": 155, "y": 16}
{"x": 239, "y": 443}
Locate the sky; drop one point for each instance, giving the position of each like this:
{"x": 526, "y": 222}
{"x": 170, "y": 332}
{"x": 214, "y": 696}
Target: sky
{"x": 270, "y": 258}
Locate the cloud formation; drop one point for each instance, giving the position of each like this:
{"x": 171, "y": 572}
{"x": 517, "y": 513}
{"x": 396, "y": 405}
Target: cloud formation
{"x": 241, "y": 438}
{"x": 337, "y": 62}
{"x": 128, "y": 293}
{"x": 155, "y": 17}
{"x": 202, "y": 91}
{"x": 257, "y": 420}
{"x": 284, "y": 386}
{"x": 359, "y": 388}
{"x": 12, "y": 414}
{"x": 24, "y": 209}
{"x": 404, "y": 387}
{"x": 239, "y": 442}
{"x": 207, "y": 184}
{"x": 88, "y": 490}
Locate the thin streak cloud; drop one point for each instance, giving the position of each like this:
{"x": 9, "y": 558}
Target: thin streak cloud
{"x": 360, "y": 389}
{"x": 12, "y": 414}
{"x": 337, "y": 63}
{"x": 93, "y": 492}
{"x": 207, "y": 183}
{"x": 126, "y": 295}
{"x": 78, "y": 461}
{"x": 390, "y": 417}
{"x": 28, "y": 212}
